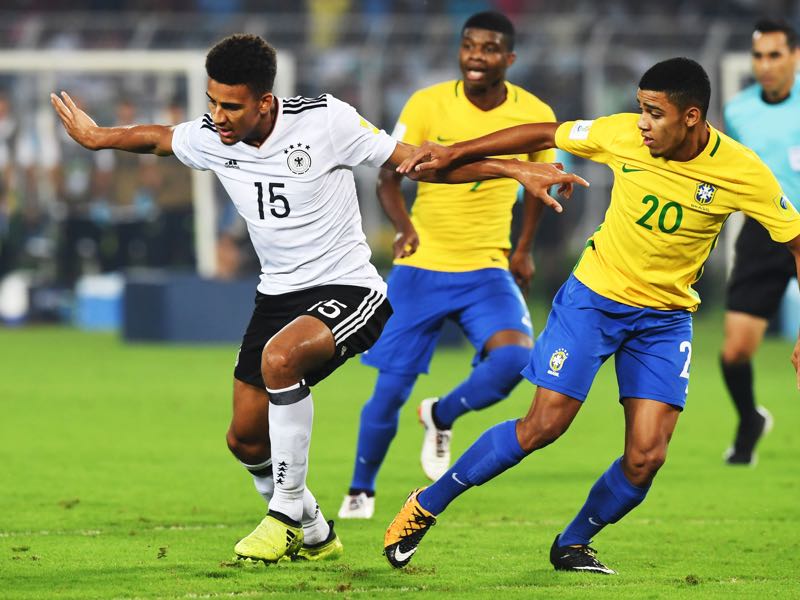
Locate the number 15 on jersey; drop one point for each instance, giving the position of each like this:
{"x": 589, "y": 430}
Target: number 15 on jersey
{"x": 279, "y": 204}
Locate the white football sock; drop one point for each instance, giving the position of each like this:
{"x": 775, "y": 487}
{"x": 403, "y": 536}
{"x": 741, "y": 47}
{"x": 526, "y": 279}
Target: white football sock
{"x": 291, "y": 413}
{"x": 262, "y": 478}
{"x": 315, "y": 527}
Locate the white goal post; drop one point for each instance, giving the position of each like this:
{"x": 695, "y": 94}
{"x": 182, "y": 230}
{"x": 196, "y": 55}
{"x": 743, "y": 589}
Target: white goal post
{"x": 735, "y": 69}
{"x": 48, "y": 64}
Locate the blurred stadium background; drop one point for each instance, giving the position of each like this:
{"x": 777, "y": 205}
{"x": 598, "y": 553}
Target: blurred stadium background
{"x": 76, "y": 225}
{"x": 114, "y": 478}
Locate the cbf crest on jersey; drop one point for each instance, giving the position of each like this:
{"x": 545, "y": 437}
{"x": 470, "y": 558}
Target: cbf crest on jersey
{"x": 704, "y": 193}
{"x": 557, "y": 360}
{"x": 297, "y": 158}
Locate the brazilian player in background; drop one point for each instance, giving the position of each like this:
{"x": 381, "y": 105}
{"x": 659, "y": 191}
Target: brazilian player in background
{"x": 676, "y": 180}
{"x": 766, "y": 118}
{"x": 453, "y": 260}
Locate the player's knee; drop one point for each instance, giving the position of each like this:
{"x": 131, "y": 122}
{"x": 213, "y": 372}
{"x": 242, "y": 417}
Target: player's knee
{"x": 277, "y": 362}
{"x": 643, "y": 464}
{"x": 735, "y": 353}
{"x": 390, "y": 394}
{"x": 508, "y": 361}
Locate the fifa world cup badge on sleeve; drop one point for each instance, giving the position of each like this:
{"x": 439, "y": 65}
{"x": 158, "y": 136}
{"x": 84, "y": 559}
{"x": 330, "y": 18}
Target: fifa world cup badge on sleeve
{"x": 557, "y": 361}
{"x": 786, "y": 208}
{"x": 580, "y": 130}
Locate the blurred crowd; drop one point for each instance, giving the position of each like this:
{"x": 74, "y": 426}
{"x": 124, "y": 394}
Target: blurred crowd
{"x": 512, "y": 8}
{"x": 65, "y": 211}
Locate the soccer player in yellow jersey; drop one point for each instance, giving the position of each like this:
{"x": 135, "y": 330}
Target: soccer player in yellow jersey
{"x": 452, "y": 262}
{"x": 676, "y": 180}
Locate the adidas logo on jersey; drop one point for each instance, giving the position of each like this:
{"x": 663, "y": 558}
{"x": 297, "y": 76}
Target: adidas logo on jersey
{"x": 231, "y": 164}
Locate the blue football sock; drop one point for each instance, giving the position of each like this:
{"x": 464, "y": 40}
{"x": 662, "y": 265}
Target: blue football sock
{"x": 378, "y": 426}
{"x": 494, "y": 452}
{"x": 491, "y": 380}
{"x": 611, "y": 498}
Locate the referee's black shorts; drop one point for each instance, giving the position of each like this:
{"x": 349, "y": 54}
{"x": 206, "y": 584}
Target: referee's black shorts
{"x": 761, "y": 271}
{"x": 355, "y": 315}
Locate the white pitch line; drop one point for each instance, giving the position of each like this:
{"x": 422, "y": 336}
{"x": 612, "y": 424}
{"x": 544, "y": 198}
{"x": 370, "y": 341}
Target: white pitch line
{"x": 97, "y": 532}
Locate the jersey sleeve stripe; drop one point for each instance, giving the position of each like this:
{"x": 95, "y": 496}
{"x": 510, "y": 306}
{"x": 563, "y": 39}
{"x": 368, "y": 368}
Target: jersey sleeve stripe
{"x": 298, "y": 100}
{"x": 304, "y": 103}
{"x": 208, "y": 123}
{"x": 294, "y": 111}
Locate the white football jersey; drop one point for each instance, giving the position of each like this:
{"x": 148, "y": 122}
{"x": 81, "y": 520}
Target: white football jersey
{"x": 296, "y": 192}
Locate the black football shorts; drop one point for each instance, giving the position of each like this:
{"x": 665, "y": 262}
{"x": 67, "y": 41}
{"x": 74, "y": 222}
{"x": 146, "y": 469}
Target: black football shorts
{"x": 761, "y": 271}
{"x": 355, "y": 315}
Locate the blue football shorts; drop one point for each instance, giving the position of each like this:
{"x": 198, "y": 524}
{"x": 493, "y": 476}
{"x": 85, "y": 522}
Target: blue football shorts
{"x": 481, "y": 302}
{"x": 652, "y": 348}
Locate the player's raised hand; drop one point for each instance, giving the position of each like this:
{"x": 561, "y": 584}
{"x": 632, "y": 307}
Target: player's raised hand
{"x": 426, "y": 157}
{"x": 78, "y": 124}
{"x": 538, "y": 178}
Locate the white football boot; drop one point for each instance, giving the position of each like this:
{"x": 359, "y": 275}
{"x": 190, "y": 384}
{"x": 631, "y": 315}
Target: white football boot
{"x": 435, "y": 455}
{"x": 359, "y": 506}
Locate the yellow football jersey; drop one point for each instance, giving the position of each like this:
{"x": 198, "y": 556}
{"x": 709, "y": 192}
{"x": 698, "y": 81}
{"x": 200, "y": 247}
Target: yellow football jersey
{"x": 665, "y": 216}
{"x": 465, "y": 226}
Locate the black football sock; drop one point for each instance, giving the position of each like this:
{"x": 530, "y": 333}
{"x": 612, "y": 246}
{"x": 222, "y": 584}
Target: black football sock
{"x": 739, "y": 381}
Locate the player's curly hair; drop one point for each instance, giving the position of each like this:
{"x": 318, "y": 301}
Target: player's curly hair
{"x": 492, "y": 21}
{"x": 683, "y": 80}
{"x": 243, "y": 59}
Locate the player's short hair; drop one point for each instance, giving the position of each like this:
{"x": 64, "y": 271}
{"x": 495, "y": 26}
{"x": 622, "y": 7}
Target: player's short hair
{"x": 778, "y": 26}
{"x": 492, "y": 21}
{"x": 683, "y": 80}
{"x": 243, "y": 59}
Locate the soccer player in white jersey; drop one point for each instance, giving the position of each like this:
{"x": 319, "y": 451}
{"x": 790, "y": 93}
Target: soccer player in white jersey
{"x": 287, "y": 165}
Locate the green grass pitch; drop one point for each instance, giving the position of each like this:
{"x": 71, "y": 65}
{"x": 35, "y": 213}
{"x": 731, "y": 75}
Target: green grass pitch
{"x": 115, "y": 482}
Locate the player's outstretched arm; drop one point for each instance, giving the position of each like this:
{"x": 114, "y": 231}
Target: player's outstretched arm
{"x": 144, "y": 139}
{"x": 794, "y": 247}
{"x": 522, "y": 139}
{"x": 536, "y": 178}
